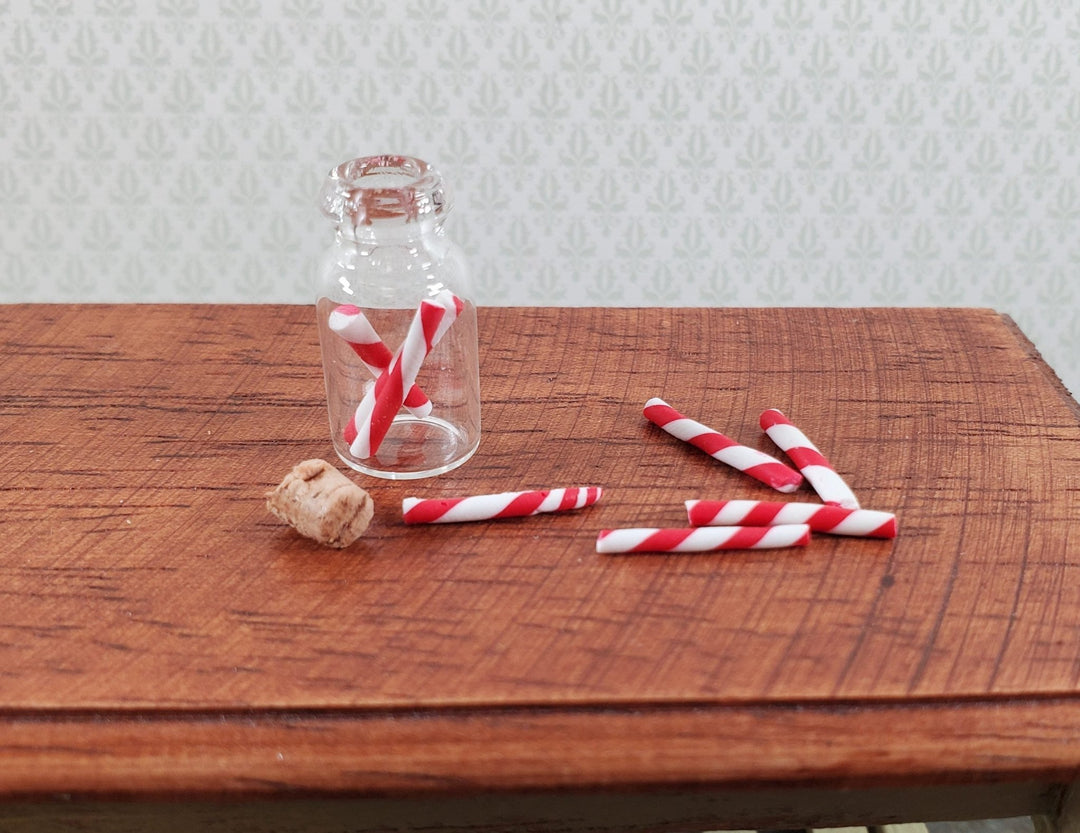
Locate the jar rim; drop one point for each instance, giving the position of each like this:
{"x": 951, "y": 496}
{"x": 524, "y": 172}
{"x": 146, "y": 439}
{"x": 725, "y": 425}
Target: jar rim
{"x": 384, "y": 187}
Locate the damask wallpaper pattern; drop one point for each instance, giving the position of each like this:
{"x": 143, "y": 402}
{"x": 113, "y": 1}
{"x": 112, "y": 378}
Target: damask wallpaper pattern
{"x": 610, "y": 152}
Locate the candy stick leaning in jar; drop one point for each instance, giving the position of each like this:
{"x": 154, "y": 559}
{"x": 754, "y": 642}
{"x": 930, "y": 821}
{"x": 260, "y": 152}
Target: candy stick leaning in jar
{"x": 757, "y": 464}
{"x": 829, "y": 485}
{"x": 503, "y": 505}
{"x": 377, "y": 409}
{"x": 831, "y": 519}
{"x": 702, "y": 538}
{"x": 353, "y": 326}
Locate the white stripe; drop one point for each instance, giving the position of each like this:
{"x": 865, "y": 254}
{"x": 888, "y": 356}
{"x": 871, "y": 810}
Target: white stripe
{"x": 862, "y": 522}
{"x": 742, "y": 457}
{"x": 795, "y": 513}
{"x": 552, "y": 501}
{"x": 361, "y": 446}
{"x": 784, "y": 535}
{"x": 478, "y": 508}
{"x": 686, "y": 429}
{"x": 788, "y": 437}
{"x": 830, "y": 486}
{"x": 354, "y": 328}
{"x": 696, "y": 541}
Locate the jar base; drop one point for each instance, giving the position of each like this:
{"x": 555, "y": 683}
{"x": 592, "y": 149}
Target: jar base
{"x": 414, "y": 448}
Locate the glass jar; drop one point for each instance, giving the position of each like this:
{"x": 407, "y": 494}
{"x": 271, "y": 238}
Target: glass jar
{"x": 397, "y": 325}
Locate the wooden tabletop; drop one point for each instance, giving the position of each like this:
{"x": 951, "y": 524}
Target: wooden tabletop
{"x": 162, "y": 635}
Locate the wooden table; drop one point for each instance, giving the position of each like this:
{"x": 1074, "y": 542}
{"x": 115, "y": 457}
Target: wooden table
{"x": 170, "y": 650}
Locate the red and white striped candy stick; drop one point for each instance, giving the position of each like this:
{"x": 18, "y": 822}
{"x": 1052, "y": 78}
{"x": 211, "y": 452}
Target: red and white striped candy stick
{"x": 835, "y": 520}
{"x": 702, "y": 538}
{"x": 353, "y": 326}
{"x": 417, "y": 402}
{"x": 504, "y": 505}
{"x": 380, "y": 405}
{"x": 748, "y": 460}
{"x": 829, "y": 485}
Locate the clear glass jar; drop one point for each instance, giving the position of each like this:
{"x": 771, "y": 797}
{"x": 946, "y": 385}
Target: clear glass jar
{"x": 391, "y": 284}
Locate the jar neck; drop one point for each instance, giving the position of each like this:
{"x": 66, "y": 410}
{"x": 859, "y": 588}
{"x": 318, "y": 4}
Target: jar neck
{"x": 388, "y": 232}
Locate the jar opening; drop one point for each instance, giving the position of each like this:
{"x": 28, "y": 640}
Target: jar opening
{"x": 375, "y": 188}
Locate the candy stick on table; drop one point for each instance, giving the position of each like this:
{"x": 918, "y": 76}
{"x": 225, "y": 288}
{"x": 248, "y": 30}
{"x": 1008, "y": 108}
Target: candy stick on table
{"x": 702, "y": 538}
{"x": 748, "y": 460}
{"x": 834, "y": 520}
{"x": 353, "y": 326}
{"x": 377, "y": 409}
{"x": 830, "y": 487}
{"x": 503, "y": 505}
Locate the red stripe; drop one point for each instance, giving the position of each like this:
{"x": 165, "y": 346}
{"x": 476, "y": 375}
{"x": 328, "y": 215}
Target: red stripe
{"x": 350, "y": 430}
{"x": 376, "y": 354}
{"x": 347, "y": 309}
{"x": 430, "y": 317}
{"x": 886, "y": 530}
{"x": 427, "y": 511}
{"x": 772, "y": 417}
{"x": 763, "y": 514}
{"x": 776, "y": 475}
{"x": 745, "y": 537}
{"x": 416, "y": 398}
{"x": 661, "y": 414}
{"x": 828, "y": 517}
{"x": 524, "y": 504}
{"x": 703, "y": 512}
{"x": 803, "y": 457}
{"x": 711, "y": 442}
{"x": 663, "y": 540}
{"x": 569, "y": 499}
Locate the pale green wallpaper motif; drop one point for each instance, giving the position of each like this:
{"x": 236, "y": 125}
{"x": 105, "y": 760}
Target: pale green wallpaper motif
{"x": 622, "y": 152}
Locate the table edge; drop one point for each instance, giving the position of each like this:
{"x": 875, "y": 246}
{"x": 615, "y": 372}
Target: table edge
{"x": 469, "y": 750}
{"x": 1033, "y": 353}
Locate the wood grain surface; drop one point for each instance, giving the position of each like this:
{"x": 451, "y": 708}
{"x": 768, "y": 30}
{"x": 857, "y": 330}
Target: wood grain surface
{"x": 141, "y": 575}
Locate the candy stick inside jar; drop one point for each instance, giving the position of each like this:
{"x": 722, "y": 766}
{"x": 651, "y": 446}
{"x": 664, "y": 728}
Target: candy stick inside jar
{"x": 376, "y": 412}
{"x": 351, "y": 324}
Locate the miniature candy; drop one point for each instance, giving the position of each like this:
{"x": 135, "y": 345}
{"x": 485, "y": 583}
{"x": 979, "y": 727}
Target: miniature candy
{"x": 830, "y": 487}
{"x": 748, "y": 460}
{"x": 835, "y": 520}
{"x": 702, "y": 538}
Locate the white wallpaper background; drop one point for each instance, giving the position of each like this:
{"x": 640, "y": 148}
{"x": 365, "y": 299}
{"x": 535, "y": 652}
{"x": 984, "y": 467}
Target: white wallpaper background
{"x": 602, "y": 152}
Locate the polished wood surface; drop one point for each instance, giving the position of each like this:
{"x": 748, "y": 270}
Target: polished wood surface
{"x": 162, "y": 634}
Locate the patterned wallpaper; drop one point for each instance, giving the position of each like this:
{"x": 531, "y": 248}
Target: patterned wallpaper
{"x": 611, "y": 152}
